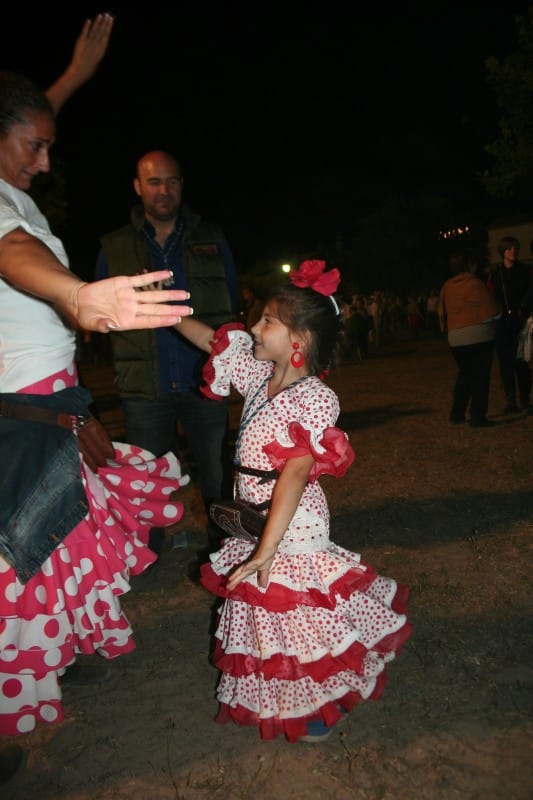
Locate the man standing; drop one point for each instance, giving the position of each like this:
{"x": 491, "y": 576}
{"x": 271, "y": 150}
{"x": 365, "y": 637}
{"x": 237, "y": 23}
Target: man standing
{"x": 253, "y": 307}
{"x": 511, "y": 283}
{"x": 158, "y": 372}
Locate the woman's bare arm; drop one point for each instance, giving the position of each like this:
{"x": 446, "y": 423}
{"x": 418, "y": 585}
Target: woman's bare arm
{"x": 90, "y": 48}
{"x": 111, "y": 304}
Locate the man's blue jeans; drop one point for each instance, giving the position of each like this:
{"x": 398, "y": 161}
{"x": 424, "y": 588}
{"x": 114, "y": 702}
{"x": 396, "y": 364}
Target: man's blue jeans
{"x": 153, "y": 425}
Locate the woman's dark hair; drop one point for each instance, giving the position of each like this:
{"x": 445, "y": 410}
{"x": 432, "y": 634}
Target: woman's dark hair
{"x": 306, "y": 310}
{"x": 18, "y": 96}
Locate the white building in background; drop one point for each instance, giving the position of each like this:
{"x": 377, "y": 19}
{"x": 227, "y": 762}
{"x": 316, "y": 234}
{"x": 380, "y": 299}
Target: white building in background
{"x": 521, "y": 227}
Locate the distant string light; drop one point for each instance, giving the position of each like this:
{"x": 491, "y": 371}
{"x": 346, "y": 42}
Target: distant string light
{"x": 454, "y": 233}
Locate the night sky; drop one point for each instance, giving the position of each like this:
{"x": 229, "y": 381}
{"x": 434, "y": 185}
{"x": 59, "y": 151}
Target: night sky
{"x": 290, "y": 124}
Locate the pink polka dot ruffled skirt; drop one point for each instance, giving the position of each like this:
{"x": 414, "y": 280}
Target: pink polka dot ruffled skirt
{"x": 311, "y": 645}
{"x": 72, "y": 604}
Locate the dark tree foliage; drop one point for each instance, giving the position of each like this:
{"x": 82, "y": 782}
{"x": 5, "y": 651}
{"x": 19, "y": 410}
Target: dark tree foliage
{"x": 511, "y": 173}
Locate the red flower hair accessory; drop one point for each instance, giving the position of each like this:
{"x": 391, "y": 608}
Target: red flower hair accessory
{"x": 311, "y": 274}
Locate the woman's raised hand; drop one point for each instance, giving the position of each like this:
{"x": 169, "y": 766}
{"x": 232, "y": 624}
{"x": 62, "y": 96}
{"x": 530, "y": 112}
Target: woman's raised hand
{"x": 89, "y": 49}
{"x": 91, "y": 46}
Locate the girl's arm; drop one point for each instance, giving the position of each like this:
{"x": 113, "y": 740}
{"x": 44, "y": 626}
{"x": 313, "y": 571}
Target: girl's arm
{"x": 198, "y": 333}
{"x": 286, "y": 496}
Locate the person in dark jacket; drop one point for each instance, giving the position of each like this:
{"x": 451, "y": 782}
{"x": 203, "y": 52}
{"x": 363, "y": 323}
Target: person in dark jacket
{"x": 158, "y": 373}
{"x": 510, "y": 284}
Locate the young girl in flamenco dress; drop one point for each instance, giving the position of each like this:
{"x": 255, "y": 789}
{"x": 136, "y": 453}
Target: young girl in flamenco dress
{"x": 307, "y": 628}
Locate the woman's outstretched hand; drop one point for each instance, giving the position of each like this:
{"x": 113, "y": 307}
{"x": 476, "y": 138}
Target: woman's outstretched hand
{"x": 118, "y": 304}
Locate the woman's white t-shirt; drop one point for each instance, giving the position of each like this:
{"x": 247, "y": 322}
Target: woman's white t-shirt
{"x": 34, "y": 341}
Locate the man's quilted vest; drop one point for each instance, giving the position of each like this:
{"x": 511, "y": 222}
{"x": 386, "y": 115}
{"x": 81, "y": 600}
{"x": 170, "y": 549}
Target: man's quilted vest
{"x": 135, "y": 352}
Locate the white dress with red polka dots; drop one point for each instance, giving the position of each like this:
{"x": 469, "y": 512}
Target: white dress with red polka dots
{"x": 317, "y": 639}
{"x": 71, "y": 605}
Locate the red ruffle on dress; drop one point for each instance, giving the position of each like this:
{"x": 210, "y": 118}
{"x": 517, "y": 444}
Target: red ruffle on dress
{"x": 72, "y": 604}
{"x": 317, "y": 640}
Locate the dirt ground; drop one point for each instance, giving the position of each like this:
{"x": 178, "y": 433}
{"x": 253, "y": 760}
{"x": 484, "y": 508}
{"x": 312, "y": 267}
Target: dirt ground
{"x": 444, "y": 509}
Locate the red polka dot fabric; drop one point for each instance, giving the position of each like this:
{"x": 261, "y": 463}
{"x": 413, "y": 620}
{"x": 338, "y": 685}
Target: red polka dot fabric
{"x": 72, "y": 605}
{"x": 317, "y": 640}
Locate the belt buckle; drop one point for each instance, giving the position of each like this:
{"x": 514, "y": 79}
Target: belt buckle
{"x": 79, "y": 422}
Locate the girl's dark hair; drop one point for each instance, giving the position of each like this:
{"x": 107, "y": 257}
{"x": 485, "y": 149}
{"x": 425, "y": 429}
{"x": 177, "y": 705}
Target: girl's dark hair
{"x": 18, "y": 96}
{"x": 306, "y": 310}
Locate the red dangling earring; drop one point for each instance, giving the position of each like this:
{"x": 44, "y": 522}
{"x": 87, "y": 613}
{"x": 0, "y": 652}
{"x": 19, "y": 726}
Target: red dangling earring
{"x": 297, "y": 358}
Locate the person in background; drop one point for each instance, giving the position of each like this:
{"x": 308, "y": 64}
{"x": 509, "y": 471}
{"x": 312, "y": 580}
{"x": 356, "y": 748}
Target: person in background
{"x": 375, "y": 310}
{"x": 468, "y": 315}
{"x": 510, "y": 284}
{"x": 414, "y": 316}
{"x": 432, "y": 314}
{"x": 253, "y": 306}
{"x": 306, "y": 630}
{"x": 363, "y": 326}
{"x": 158, "y": 372}
{"x": 356, "y": 327}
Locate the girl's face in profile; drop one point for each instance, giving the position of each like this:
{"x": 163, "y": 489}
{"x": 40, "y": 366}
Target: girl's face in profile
{"x": 272, "y": 338}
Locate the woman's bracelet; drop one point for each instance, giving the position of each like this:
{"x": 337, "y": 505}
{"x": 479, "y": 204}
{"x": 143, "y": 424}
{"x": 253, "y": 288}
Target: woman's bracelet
{"x": 74, "y": 294}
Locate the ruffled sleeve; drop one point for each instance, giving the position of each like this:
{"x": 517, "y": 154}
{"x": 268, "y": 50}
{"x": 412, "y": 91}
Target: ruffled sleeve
{"x": 231, "y": 348}
{"x": 332, "y": 452}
